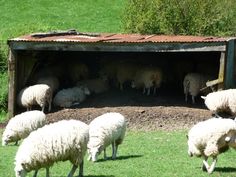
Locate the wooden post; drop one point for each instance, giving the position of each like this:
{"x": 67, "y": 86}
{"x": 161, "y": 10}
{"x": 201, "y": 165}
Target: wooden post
{"x": 230, "y": 65}
{"x": 11, "y": 83}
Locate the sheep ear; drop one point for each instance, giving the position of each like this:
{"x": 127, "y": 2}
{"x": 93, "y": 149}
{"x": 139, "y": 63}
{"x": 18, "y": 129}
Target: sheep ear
{"x": 203, "y": 97}
{"x": 227, "y": 139}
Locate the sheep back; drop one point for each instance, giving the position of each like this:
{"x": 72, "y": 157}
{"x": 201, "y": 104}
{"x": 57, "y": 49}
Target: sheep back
{"x": 60, "y": 141}
{"x": 224, "y": 100}
{"x": 20, "y": 126}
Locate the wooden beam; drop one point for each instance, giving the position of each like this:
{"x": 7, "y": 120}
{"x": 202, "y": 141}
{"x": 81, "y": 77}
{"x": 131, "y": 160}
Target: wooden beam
{"x": 230, "y": 65}
{"x": 11, "y": 83}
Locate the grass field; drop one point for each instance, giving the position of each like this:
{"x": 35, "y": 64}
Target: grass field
{"x": 21, "y": 17}
{"x": 149, "y": 154}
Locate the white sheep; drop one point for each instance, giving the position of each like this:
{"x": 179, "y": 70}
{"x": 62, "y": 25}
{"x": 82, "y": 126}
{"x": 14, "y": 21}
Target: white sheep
{"x": 104, "y": 130}
{"x": 51, "y": 81}
{"x": 210, "y": 138}
{"x": 193, "y": 83}
{"x": 21, "y": 125}
{"x": 147, "y": 78}
{"x": 98, "y": 85}
{"x": 68, "y": 97}
{"x": 60, "y": 141}
{"x": 39, "y": 94}
{"x": 221, "y": 101}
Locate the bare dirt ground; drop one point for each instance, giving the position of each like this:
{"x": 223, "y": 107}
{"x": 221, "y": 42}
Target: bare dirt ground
{"x": 160, "y": 112}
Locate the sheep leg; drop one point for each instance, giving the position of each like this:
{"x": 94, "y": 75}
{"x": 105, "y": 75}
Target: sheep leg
{"x": 148, "y": 91}
{"x": 43, "y": 108}
{"x": 35, "y": 173}
{"x": 212, "y": 167}
{"x": 154, "y": 91}
{"x": 114, "y": 150}
{"x": 193, "y": 100}
{"x": 144, "y": 90}
{"x": 105, "y": 154}
{"x": 186, "y": 97}
{"x": 81, "y": 169}
{"x": 204, "y": 167}
{"x": 47, "y": 172}
{"x": 89, "y": 157}
{"x": 72, "y": 171}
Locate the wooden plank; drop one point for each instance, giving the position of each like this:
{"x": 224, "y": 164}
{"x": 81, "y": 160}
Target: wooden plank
{"x": 12, "y": 83}
{"x": 119, "y": 47}
{"x": 230, "y": 65}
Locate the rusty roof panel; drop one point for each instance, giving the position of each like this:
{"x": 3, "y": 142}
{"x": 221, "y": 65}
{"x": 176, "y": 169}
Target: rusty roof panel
{"x": 122, "y": 38}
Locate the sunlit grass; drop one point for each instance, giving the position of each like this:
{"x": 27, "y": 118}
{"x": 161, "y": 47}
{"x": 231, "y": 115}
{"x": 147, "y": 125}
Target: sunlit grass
{"x": 149, "y": 154}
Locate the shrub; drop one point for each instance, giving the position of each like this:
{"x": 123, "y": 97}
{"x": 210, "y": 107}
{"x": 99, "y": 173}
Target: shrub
{"x": 3, "y": 91}
{"x": 185, "y": 17}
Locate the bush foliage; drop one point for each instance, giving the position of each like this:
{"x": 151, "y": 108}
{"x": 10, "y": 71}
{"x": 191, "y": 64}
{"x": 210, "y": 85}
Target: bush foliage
{"x": 183, "y": 17}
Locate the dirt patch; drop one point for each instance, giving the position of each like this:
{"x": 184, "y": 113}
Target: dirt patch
{"x": 161, "y": 112}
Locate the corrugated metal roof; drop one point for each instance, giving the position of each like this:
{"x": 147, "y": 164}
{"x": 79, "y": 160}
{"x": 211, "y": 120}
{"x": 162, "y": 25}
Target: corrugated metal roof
{"x": 118, "y": 38}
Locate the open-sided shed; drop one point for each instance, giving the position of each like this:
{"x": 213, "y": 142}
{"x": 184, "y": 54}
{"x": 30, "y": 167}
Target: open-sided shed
{"x": 26, "y": 52}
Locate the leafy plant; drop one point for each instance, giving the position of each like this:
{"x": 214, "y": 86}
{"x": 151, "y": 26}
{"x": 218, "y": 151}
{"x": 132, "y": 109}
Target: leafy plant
{"x": 185, "y": 17}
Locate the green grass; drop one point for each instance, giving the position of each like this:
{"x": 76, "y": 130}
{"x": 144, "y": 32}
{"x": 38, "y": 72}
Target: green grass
{"x": 21, "y": 17}
{"x": 148, "y": 154}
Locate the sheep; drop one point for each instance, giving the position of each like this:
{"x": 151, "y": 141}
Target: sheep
{"x": 221, "y": 101}
{"x": 39, "y": 94}
{"x": 77, "y": 71}
{"x": 104, "y": 130}
{"x": 21, "y": 125}
{"x": 125, "y": 73}
{"x": 71, "y": 96}
{"x": 147, "y": 78}
{"x": 51, "y": 81}
{"x": 60, "y": 141}
{"x": 211, "y": 137}
{"x": 98, "y": 85}
{"x": 193, "y": 83}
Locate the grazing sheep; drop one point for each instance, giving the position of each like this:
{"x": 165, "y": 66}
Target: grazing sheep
{"x": 68, "y": 97}
{"x": 20, "y": 126}
{"x": 98, "y": 85}
{"x": 147, "y": 78}
{"x": 60, "y": 141}
{"x": 193, "y": 83}
{"x": 39, "y": 94}
{"x": 51, "y": 81}
{"x": 210, "y": 138}
{"x": 104, "y": 130}
{"x": 221, "y": 101}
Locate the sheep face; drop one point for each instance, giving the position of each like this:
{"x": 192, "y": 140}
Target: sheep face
{"x": 20, "y": 172}
{"x": 192, "y": 150}
{"x": 93, "y": 153}
{"x": 85, "y": 90}
{"x": 9, "y": 137}
{"x": 94, "y": 149}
